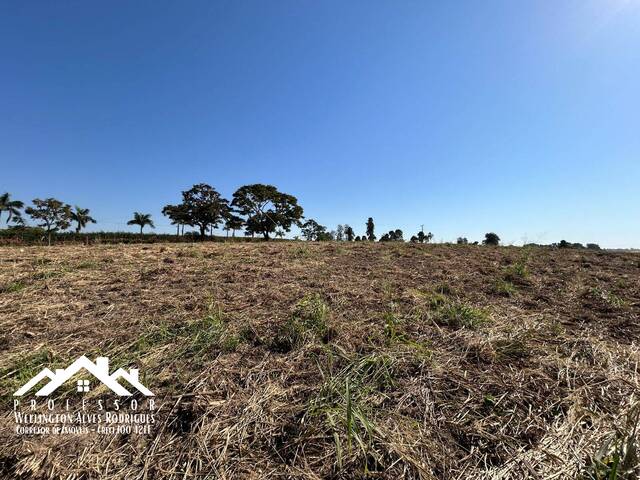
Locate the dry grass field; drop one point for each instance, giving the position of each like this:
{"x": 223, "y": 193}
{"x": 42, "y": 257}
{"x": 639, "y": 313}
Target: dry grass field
{"x": 334, "y": 360}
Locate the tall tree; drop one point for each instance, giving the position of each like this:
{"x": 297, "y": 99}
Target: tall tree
{"x": 11, "y": 206}
{"x": 266, "y": 208}
{"x": 313, "y": 231}
{"x": 141, "y": 219}
{"x": 339, "y": 233}
{"x": 233, "y": 223}
{"x": 422, "y": 237}
{"x": 204, "y": 207}
{"x": 178, "y": 214}
{"x": 348, "y": 232}
{"x": 81, "y": 217}
{"x": 370, "y": 229}
{"x": 52, "y": 214}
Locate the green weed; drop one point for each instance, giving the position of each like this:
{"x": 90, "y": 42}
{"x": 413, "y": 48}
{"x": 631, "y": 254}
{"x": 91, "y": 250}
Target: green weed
{"x": 459, "y": 315}
{"x": 307, "y": 323}
{"x": 13, "y": 287}
{"x": 505, "y": 288}
{"x": 619, "y": 457}
{"x": 344, "y": 404}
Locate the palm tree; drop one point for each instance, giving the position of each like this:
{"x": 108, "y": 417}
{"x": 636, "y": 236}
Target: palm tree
{"x": 18, "y": 221}
{"x": 11, "y": 206}
{"x": 142, "y": 219}
{"x": 81, "y": 217}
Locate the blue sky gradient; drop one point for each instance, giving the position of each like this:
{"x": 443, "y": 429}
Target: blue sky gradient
{"x": 521, "y": 118}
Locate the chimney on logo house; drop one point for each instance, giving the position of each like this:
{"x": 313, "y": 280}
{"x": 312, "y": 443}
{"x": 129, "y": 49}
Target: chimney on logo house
{"x": 103, "y": 365}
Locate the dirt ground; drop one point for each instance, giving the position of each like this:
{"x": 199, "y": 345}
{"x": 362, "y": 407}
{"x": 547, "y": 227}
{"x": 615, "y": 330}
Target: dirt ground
{"x": 333, "y": 360}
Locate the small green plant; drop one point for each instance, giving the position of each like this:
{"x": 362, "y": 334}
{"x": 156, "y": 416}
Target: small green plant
{"x": 301, "y": 251}
{"x": 511, "y": 348}
{"x": 436, "y": 300}
{"x": 619, "y": 456}
{"x": 344, "y": 403}
{"x": 505, "y": 288}
{"x": 197, "y": 339}
{"x": 47, "y": 274}
{"x": 207, "y": 334}
{"x": 86, "y": 265}
{"x": 13, "y": 287}
{"x": 443, "y": 289}
{"x": 489, "y": 401}
{"x": 459, "y": 315}
{"x": 609, "y": 298}
{"x": 23, "y": 369}
{"x": 516, "y": 271}
{"x": 308, "y": 322}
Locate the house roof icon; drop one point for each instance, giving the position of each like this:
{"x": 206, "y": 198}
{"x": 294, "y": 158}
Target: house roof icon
{"x": 99, "y": 369}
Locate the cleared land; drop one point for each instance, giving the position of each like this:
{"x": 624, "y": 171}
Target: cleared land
{"x": 299, "y": 360}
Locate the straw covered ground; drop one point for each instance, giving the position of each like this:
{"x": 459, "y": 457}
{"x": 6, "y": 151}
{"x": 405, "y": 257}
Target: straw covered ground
{"x": 333, "y": 360}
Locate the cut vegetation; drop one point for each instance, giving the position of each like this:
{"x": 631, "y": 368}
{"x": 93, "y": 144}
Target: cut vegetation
{"x": 295, "y": 360}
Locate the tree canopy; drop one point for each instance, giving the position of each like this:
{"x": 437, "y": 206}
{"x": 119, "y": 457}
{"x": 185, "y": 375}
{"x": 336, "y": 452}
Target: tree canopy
{"x": 370, "y": 230}
{"x": 313, "y": 231}
{"x": 141, "y": 219}
{"x": 12, "y": 207}
{"x": 491, "y": 239}
{"x": 81, "y": 217}
{"x": 52, "y": 215}
{"x": 266, "y": 209}
{"x": 204, "y": 207}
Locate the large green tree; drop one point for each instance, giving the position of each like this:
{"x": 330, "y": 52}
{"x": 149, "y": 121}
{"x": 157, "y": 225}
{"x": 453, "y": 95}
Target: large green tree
{"x": 142, "y": 220}
{"x": 204, "y": 207}
{"x": 81, "y": 217}
{"x": 12, "y": 207}
{"x": 52, "y": 215}
{"x": 313, "y": 231}
{"x": 266, "y": 209}
{"x": 179, "y": 216}
{"x": 233, "y": 223}
{"x": 491, "y": 239}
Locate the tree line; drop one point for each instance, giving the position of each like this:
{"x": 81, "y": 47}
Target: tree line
{"x": 257, "y": 209}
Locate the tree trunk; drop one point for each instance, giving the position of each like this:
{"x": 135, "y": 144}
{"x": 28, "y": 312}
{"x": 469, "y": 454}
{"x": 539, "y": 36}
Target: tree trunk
{"x": 203, "y": 231}
{"x": 266, "y": 235}
{"x": 233, "y": 235}
{"x": 141, "y": 227}
{"x": 178, "y": 230}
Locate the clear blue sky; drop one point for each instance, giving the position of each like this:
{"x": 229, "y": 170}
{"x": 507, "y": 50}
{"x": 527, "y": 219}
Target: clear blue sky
{"x": 521, "y": 118}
